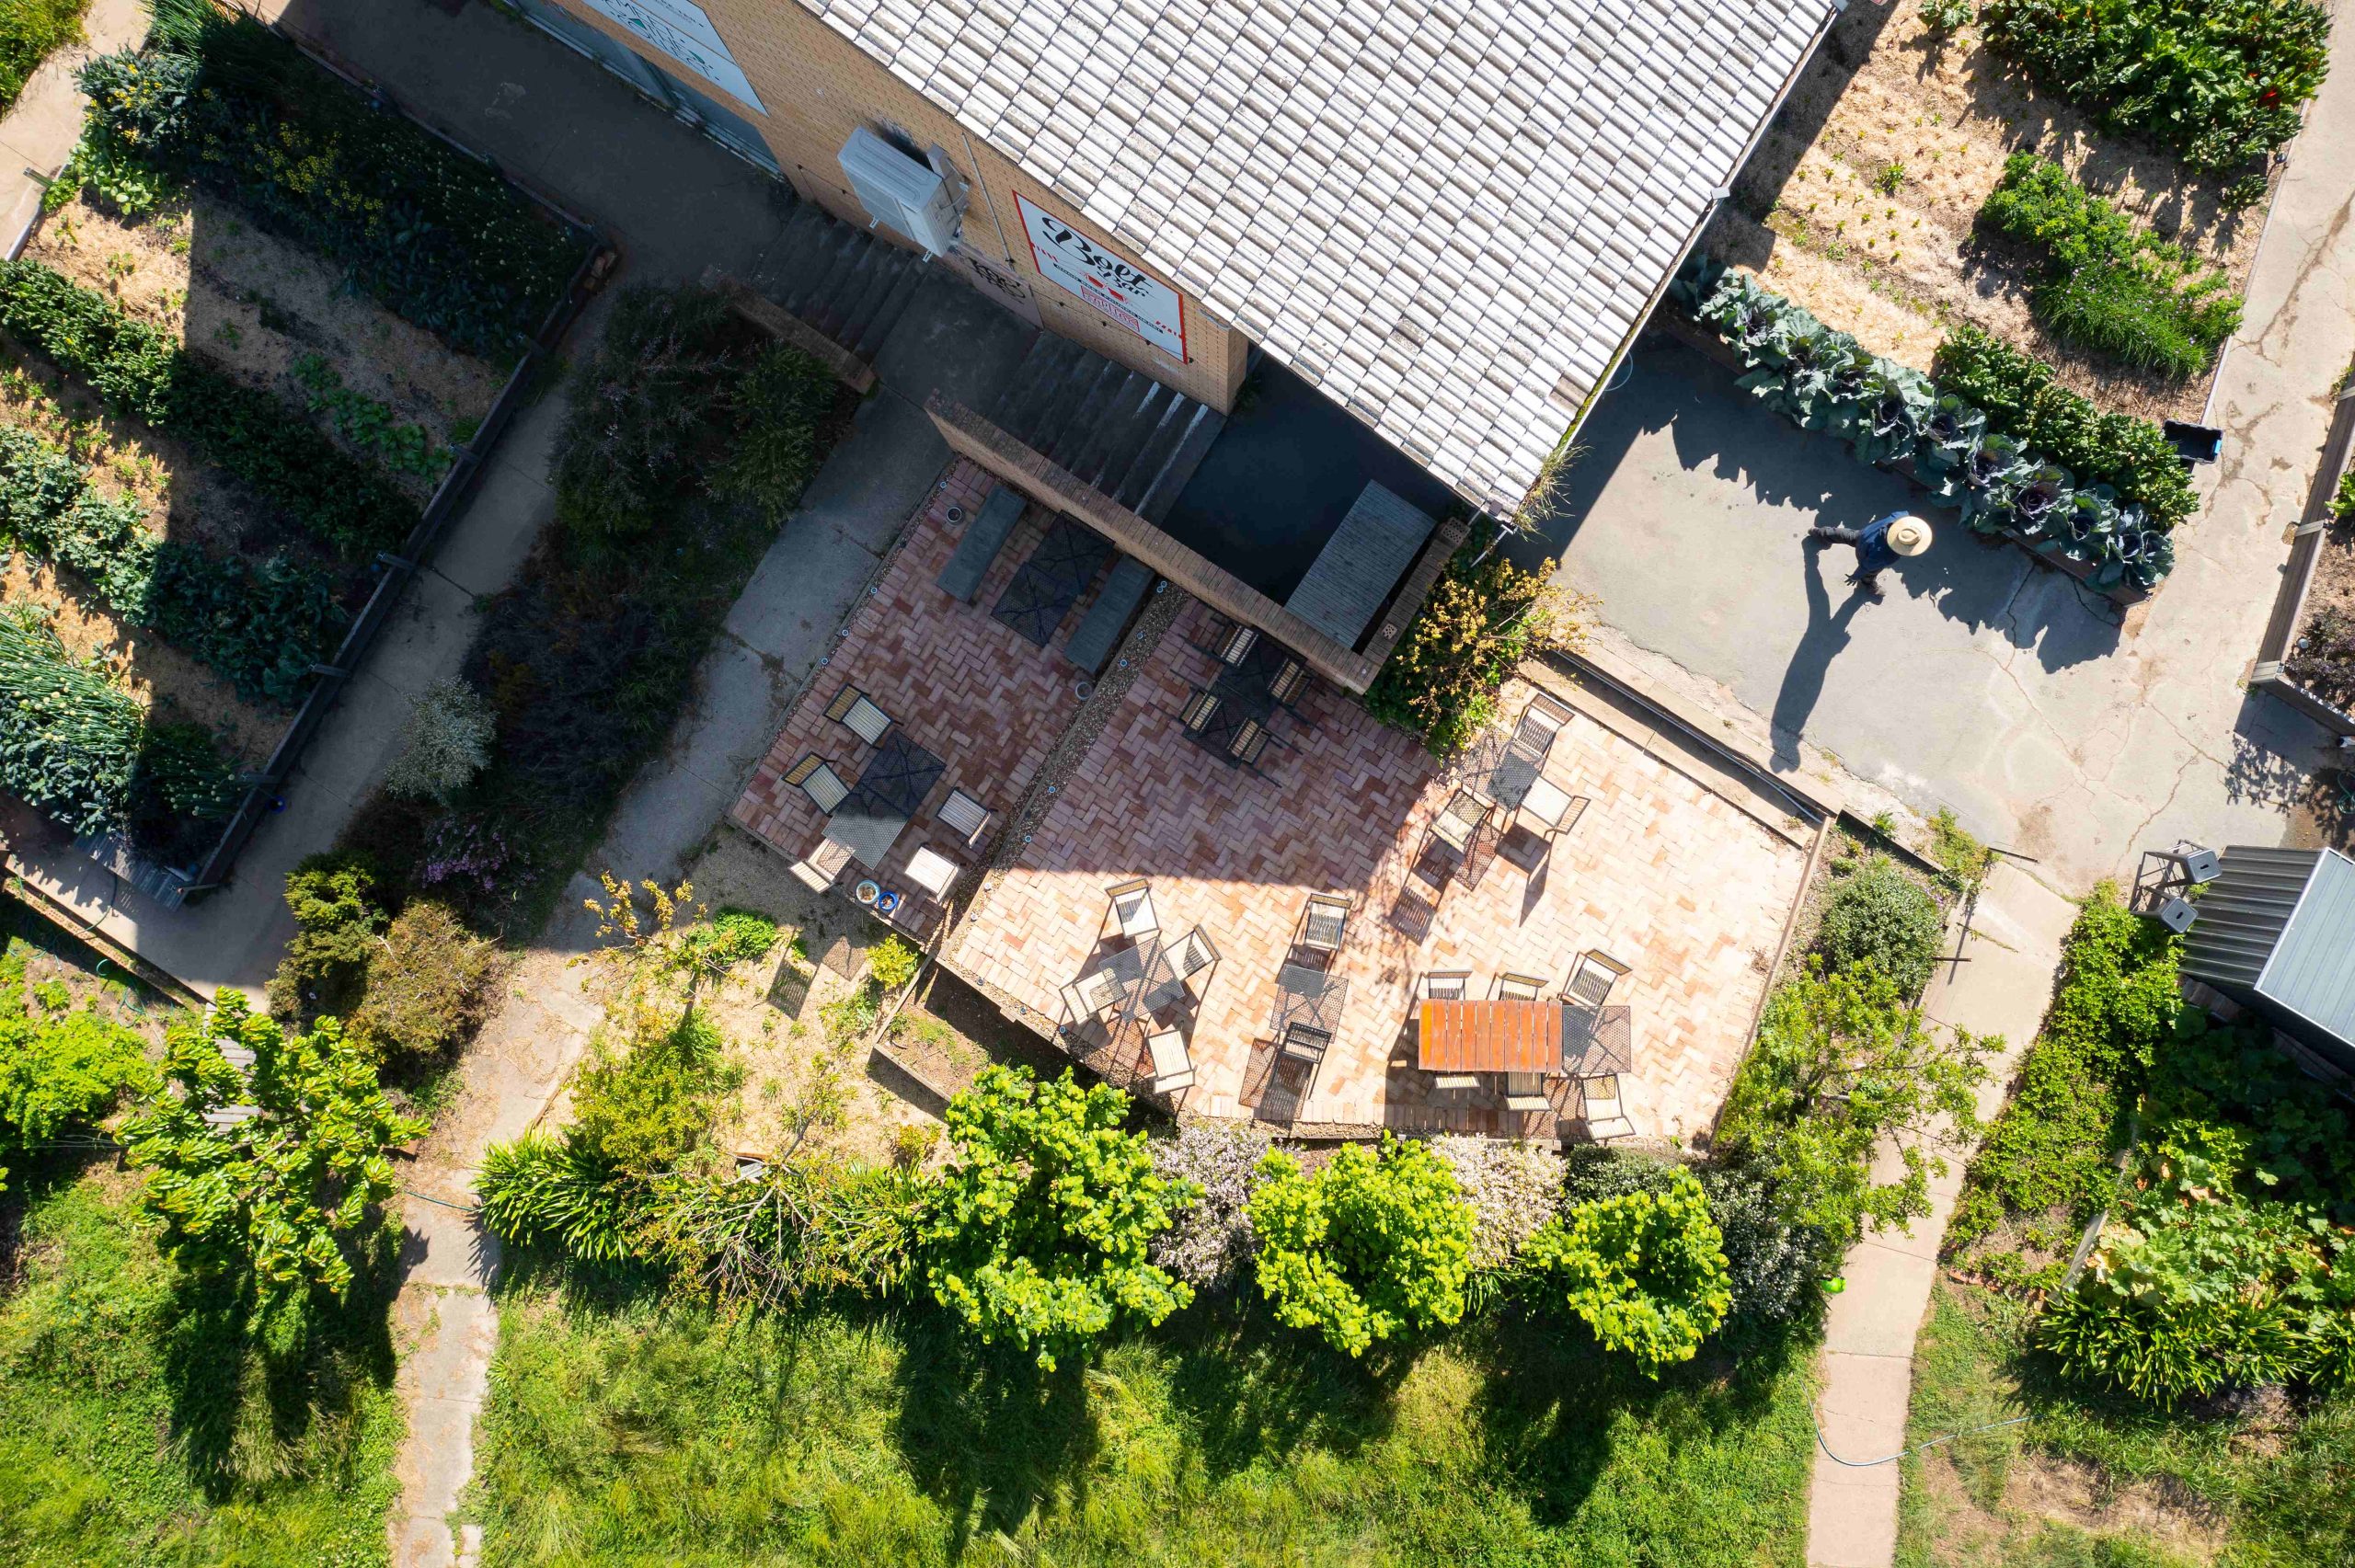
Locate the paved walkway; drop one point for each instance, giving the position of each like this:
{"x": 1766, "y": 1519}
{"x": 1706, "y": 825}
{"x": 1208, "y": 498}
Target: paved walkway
{"x": 1982, "y": 682}
{"x": 2012, "y": 951}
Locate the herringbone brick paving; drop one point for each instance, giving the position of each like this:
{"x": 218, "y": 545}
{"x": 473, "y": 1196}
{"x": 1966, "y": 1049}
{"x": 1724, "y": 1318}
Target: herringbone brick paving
{"x": 960, "y": 683}
{"x": 1660, "y": 873}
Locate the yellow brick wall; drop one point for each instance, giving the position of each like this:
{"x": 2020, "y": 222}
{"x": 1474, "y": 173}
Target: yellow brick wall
{"x": 818, "y": 88}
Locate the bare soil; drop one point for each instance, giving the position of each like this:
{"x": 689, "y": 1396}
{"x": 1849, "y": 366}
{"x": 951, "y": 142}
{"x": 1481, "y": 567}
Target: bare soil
{"x": 254, "y": 306}
{"x": 1860, "y": 203}
{"x": 1976, "y": 1530}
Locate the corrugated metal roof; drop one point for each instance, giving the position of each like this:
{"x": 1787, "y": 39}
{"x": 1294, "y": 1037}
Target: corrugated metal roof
{"x": 1446, "y": 214}
{"x": 2243, "y": 912}
{"x": 2312, "y": 971}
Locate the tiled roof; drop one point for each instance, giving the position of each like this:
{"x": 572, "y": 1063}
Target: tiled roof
{"x": 1445, "y": 214}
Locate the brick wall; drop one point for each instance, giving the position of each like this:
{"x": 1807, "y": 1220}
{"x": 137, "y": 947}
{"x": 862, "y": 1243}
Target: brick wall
{"x": 818, "y": 88}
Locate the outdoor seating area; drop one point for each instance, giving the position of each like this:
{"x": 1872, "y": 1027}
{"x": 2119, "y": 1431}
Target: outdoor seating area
{"x": 893, "y": 775}
{"x": 1630, "y": 948}
{"x": 1250, "y": 678}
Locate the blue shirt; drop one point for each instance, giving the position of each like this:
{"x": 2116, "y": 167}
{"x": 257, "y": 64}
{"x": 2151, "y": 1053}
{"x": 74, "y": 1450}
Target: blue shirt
{"x": 1873, "y": 553}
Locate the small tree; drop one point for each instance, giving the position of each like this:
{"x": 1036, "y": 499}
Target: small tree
{"x": 1840, "y": 1063}
{"x": 1038, "y": 1229}
{"x": 1370, "y": 1247}
{"x": 282, "y": 1196}
{"x": 444, "y": 744}
{"x": 1644, "y": 1271}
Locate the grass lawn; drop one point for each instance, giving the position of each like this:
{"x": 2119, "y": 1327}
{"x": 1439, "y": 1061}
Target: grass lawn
{"x": 629, "y": 1433}
{"x": 134, "y": 1427}
{"x": 2096, "y": 1482}
{"x": 29, "y": 30}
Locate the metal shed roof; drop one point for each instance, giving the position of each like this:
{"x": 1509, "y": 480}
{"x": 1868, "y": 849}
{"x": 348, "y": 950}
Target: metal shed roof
{"x": 2281, "y": 923}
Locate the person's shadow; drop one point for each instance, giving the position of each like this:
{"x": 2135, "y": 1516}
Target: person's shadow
{"x": 1826, "y": 634}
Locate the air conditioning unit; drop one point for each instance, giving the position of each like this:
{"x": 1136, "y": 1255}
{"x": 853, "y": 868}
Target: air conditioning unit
{"x": 900, "y": 191}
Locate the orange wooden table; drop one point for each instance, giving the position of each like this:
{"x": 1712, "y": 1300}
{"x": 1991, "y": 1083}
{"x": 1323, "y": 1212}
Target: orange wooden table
{"x": 1492, "y": 1037}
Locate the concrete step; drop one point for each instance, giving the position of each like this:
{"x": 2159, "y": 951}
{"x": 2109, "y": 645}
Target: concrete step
{"x": 843, "y": 281}
{"x": 1114, "y": 429}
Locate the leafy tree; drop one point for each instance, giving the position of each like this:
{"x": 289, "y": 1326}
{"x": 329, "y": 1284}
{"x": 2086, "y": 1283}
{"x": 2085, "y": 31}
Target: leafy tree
{"x": 1841, "y": 1064}
{"x": 1645, "y": 1271}
{"x": 1038, "y": 1229}
{"x": 54, "y": 1073}
{"x": 282, "y": 1196}
{"x": 1876, "y": 915}
{"x": 644, "y": 1108}
{"x": 1370, "y": 1247}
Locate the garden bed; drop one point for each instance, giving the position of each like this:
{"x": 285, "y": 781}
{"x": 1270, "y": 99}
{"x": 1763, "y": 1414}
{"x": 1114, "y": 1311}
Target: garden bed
{"x": 1862, "y": 203}
{"x": 2307, "y": 658}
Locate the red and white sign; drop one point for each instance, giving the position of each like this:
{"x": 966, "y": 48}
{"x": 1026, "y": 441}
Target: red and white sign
{"x": 1144, "y": 304}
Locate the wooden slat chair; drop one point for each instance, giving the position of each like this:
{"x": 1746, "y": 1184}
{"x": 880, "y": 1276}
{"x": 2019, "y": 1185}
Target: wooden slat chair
{"x": 1303, "y": 1043}
{"x": 852, "y": 710}
{"x": 1519, "y": 988}
{"x": 1290, "y": 681}
{"x": 1090, "y": 996}
{"x": 1601, "y": 1110}
{"x": 819, "y": 869}
{"x": 1192, "y": 954}
{"x": 1541, "y": 721}
{"x": 1324, "y": 922}
{"x": 1250, "y": 742}
{"x": 965, "y": 817}
{"x": 815, "y": 778}
{"x": 1235, "y": 644}
{"x": 1459, "y": 820}
{"x": 1132, "y": 908}
{"x": 1172, "y": 1065}
{"x": 1526, "y": 1093}
{"x": 1592, "y": 981}
{"x": 1198, "y": 710}
{"x": 1446, "y": 985}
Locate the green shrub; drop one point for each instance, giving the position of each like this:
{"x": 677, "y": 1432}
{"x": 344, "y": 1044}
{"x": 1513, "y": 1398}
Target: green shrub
{"x": 138, "y": 371}
{"x": 428, "y": 983}
{"x": 367, "y": 424}
{"x": 2218, "y": 82}
{"x": 646, "y": 408}
{"x": 1482, "y": 619}
{"x": 435, "y": 235}
{"x": 645, "y": 1106}
{"x": 337, "y": 914}
{"x": 1875, "y": 914}
{"x": 262, "y": 626}
{"x": 2023, "y": 396}
{"x": 1646, "y": 1272}
{"x": 1038, "y": 1232}
{"x": 541, "y": 1188}
{"x": 779, "y": 402}
{"x": 2109, "y": 286}
{"x": 55, "y": 1073}
{"x": 1945, "y": 16}
{"x": 1842, "y": 1065}
{"x": 444, "y": 744}
{"x": 30, "y": 31}
{"x": 1372, "y": 1246}
{"x": 805, "y": 1227}
{"x": 893, "y": 963}
{"x": 283, "y": 1199}
{"x": 2342, "y": 499}
{"x": 181, "y": 790}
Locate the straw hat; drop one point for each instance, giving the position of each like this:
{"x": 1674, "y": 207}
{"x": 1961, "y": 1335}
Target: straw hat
{"x": 1909, "y": 535}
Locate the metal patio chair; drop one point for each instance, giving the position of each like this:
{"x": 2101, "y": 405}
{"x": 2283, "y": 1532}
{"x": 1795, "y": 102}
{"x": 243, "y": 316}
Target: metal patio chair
{"x": 817, "y": 779}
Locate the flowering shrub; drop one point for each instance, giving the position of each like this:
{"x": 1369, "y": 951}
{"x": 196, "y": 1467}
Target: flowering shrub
{"x": 467, "y": 851}
{"x": 1513, "y": 1188}
{"x": 225, "y": 103}
{"x": 1482, "y": 619}
{"x": 444, "y": 744}
{"x": 1208, "y": 1244}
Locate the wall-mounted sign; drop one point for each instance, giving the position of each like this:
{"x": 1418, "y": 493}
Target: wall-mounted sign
{"x": 680, "y": 29}
{"x": 1143, "y": 304}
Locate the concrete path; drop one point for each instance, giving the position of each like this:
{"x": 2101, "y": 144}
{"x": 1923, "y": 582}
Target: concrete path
{"x": 39, "y": 133}
{"x": 1984, "y": 682}
{"x": 2014, "y": 950}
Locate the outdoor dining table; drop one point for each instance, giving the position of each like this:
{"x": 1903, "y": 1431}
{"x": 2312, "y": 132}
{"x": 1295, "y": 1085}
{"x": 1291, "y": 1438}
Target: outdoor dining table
{"x": 1494, "y": 767}
{"x": 891, "y": 790}
{"x": 1559, "y": 1039}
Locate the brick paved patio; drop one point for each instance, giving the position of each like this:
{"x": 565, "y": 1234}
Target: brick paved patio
{"x": 958, "y": 683}
{"x": 1662, "y": 873}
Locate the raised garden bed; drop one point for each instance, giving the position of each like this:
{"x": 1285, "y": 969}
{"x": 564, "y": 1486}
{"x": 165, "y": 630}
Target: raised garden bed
{"x": 2307, "y": 659}
{"x": 1862, "y": 203}
{"x": 1894, "y": 416}
{"x": 282, "y": 399}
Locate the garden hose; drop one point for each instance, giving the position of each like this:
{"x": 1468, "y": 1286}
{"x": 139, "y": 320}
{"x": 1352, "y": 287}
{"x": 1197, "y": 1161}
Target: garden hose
{"x": 1918, "y": 1448}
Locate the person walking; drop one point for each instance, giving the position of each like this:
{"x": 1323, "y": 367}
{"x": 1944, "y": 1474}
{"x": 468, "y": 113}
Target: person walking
{"x": 1879, "y": 544}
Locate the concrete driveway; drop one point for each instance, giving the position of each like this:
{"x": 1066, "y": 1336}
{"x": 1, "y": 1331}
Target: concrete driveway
{"x": 2049, "y": 721}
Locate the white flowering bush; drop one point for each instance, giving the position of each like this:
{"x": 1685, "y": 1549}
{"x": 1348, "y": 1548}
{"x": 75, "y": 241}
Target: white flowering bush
{"x": 446, "y": 743}
{"x": 1208, "y": 1244}
{"x": 1513, "y": 1188}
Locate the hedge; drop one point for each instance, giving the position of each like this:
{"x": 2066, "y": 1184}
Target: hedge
{"x": 138, "y": 371}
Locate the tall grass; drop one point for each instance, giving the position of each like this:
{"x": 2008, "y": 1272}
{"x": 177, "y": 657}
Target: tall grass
{"x": 625, "y": 1434}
